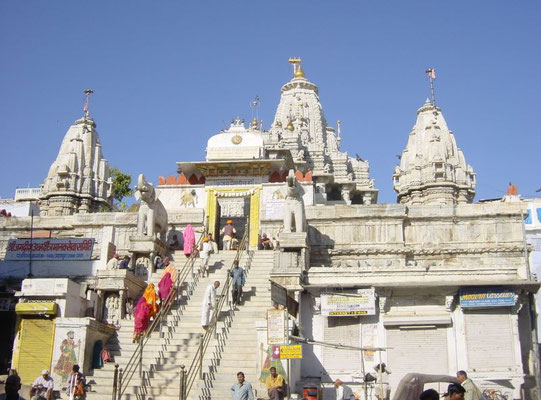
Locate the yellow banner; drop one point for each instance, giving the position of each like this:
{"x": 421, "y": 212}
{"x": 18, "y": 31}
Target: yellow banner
{"x": 291, "y": 351}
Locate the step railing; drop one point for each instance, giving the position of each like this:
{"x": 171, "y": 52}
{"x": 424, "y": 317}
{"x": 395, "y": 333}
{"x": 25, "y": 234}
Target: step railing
{"x": 195, "y": 370}
{"x": 122, "y": 378}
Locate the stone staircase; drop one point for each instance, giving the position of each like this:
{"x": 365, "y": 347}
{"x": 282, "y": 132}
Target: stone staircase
{"x": 235, "y": 349}
{"x": 167, "y": 348}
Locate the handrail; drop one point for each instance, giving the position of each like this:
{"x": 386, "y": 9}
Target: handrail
{"x": 196, "y": 366}
{"x": 136, "y": 360}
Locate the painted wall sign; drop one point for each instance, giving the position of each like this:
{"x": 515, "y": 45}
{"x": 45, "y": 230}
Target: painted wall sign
{"x": 276, "y": 327}
{"x": 294, "y": 351}
{"x": 487, "y": 297}
{"x": 50, "y": 249}
{"x": 348, "y": 305}
{"x": 232, "y": 181}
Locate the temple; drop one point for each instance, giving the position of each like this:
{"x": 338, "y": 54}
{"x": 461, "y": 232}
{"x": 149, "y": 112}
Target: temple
{"x": 432, "y": 284}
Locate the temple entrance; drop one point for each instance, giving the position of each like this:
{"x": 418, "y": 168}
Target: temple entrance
{"x": 232, "y": 209}
{"x": 236, "y": 204}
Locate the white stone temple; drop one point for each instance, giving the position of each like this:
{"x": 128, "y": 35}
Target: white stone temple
{"x": 78, "y": 180}
{"x": 432, "y": 284}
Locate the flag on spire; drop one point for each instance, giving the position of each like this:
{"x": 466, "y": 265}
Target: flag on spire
{"x": 431, "y": 73}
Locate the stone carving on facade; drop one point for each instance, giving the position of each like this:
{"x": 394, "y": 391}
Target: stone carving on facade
{"x": 111, "y": 313}
{"x": 152, "y": 217}
{"x": 293, "y": 206}
{"x": 383, "y": 304}
{"x": 188, "y": 198}
{"x": 450, "y": 303}
{"x": 234, "y": 207}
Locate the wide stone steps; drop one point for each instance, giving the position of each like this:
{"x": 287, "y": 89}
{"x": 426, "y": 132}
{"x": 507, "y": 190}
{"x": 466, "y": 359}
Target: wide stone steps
{"x": 175, "y": 343}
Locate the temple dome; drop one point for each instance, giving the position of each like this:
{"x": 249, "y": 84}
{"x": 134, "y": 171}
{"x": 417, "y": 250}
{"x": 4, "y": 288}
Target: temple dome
{"x": 433, "y": 170}
{"x": 236, "y": 143}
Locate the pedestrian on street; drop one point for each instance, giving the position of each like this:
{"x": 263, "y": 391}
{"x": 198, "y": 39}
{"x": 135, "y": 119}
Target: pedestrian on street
{"x": 42, "y": 388}
{"x": 228, "y": 231}
{"x": 12, "y": 387}
{"x": 343, "y": 392}
{"x": 209, "y": 302}
{"x": 206, "y": 249}
{"x": 429, "y": 394}
{"x": 239, "y": 279}
{"x": 241, "y": 390}
{"x": 275, "y": 385}
{"x": 472, "y": 391}
{"x": 76, "y": 384}
{"x": 455, "y": 392}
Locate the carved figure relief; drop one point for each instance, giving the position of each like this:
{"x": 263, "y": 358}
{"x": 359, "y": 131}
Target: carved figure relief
{"x": 152, "y": 217}
{"x": 111, "y": 313}
{"x": 188, "y": 198}
{"x": 232, "y": 207}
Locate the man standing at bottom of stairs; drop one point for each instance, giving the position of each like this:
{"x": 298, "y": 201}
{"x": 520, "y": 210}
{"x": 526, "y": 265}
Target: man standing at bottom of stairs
{"x": 241, "y": 390}
{"x": 209, "y": 302}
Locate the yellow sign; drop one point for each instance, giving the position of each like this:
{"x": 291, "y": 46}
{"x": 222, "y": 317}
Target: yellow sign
{"x": 291, "y": 351}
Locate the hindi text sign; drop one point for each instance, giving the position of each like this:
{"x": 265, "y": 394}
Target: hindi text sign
{"x": 50, "y": 249}
{"x": 276, "y": 327}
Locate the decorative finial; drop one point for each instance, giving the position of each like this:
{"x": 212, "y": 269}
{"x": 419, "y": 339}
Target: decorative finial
{"x": 339, "y": 128}
{"x": 254, "y": 104}
{"x": 254, "y": 123}
{"x": 431, "y": 72}
{"x": 87, "y": 92}
{"x": 297, "y": 69}
{"x": 290, "y": 126}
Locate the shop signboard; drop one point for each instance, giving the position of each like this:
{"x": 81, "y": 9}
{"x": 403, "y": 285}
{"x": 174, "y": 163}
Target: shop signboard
{"x": 276, "y": 327}
{"x": 69, "y": 249}
{"x": 349, "y": 304}
{"x": 286, "y": 352}
{"x": 487, "y": 297}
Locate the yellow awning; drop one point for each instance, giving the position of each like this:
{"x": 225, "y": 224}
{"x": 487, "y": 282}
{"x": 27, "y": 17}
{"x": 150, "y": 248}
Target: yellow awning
{"x": 49, "y": 308}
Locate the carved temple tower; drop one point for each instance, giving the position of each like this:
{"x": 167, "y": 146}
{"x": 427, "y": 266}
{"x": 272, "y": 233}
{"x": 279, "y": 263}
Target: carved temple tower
{"x": 432, "y": 167}
{"x": 78, "y": 180}
{"x": 300, "y": 127}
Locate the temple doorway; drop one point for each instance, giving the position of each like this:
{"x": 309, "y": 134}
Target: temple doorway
{"x": 232, "y": 209}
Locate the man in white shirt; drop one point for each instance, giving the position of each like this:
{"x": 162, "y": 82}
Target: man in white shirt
{"x": 42, "y": 388}
{"x": 112, "y": 264}
{"x": 205, "y": 255}
{"x": 209, "y": 302}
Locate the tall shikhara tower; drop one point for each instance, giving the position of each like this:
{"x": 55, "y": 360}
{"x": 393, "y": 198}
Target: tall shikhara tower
{"x": 432, "y": 167}
{"x": 300, "y": 126}
{"x": 78, "y": 180}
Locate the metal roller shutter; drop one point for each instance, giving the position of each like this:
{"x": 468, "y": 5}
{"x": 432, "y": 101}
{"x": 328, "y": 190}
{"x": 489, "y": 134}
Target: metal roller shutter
{"x": 489, "y": 339}
{"x": 422, "y": 350}
{"x": 346, "y": 331}
{"x": 36, "y": 348}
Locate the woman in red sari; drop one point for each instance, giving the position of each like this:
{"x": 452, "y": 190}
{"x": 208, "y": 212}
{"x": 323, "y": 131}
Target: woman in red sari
{"x": 141, "y": 318}
{"x": 164, "y": 287}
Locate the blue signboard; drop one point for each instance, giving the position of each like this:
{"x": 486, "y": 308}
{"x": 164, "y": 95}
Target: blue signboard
{"x": 487, "y": 297}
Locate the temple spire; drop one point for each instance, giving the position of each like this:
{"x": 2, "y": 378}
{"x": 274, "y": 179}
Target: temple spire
{"x": 297, "y": 69}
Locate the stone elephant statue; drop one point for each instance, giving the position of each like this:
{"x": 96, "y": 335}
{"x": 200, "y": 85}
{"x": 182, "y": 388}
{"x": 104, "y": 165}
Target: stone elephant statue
{"x": 293, "y": 206}
{"x": 152, "y": 214}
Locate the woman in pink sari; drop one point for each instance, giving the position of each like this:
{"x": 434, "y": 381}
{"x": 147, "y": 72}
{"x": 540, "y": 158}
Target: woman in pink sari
{"x": 164, "y": 287}
{"x": 142, "y": 319}
{"x": 189, "y": 240}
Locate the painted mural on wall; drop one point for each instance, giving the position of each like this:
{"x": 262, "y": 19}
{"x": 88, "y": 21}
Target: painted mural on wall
{"x": 69, "y": 356}
{"x": 268, "y": 362}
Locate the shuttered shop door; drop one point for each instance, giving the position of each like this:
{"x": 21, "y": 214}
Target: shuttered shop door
{"x": 345, "y": 331}
{"x": 36, "y": 347}
{"x": 489, "y": 339}
{"x": 416, "y": 350}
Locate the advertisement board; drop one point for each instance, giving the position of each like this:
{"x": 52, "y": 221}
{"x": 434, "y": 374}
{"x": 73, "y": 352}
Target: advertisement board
{"x": 487, "y": 297}
{"x": 50, "y": 249}
{"x": 349, "y": 304}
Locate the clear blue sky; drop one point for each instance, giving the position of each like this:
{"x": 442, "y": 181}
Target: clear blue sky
{"x": 166, "y": 74}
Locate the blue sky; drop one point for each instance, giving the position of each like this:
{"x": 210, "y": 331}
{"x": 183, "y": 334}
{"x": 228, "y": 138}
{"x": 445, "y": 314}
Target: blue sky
{"x": 167, "y": 74}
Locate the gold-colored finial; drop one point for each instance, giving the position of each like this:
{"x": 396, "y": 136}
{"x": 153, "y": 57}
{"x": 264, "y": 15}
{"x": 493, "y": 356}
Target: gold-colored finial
{"x": 297, "y": 69}
{"x": 254, "y": 123}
